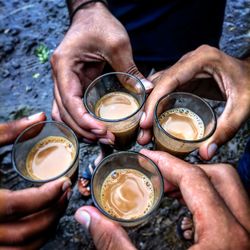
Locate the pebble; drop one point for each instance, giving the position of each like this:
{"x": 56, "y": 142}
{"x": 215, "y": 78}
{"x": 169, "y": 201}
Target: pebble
{"x": 5, "y": 73}
{"x": 28, "y": 89}
{"x": 15, "y": 64}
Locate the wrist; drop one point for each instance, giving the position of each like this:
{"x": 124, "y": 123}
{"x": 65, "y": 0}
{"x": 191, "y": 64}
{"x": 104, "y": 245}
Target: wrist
{"x": 75, "y": 5}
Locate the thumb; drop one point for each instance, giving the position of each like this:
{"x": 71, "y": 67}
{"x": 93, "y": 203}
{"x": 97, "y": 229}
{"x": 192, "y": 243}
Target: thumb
{"x": 10, "y": 130}
{"x": 228, "y": 124}
{"x": 105, "y": 233}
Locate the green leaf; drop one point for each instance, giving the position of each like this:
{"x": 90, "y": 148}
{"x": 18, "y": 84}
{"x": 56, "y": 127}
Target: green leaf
{"x": 42, "y": 53}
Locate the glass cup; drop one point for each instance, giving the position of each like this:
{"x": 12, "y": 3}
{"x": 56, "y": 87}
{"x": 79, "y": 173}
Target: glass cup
{"x": 167, "y": 142}
{"x": 34, "y": 134}
{"x": 127, "y": 160}
{"x": 125, "y": 129}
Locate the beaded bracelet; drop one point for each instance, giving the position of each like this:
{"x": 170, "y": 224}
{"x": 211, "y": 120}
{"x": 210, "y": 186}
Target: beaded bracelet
{"x": 81, "y": 6}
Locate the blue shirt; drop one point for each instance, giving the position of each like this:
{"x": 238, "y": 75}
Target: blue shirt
{"x": 164, "y": 30}
{"x": 244, "y": 168}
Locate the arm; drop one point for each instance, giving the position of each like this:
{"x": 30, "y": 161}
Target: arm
{"x": 95, "y": 37}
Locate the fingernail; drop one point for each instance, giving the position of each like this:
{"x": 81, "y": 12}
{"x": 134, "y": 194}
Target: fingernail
{"x": 143, "y": 117}
{"x": 66, "y": 185}
{"x": 83, "y": 218}
{"x": 98, "y": 131}
{"x": 212, "y": 148}
{"x": 147, "y": 84}
{"x": 140, "y": 134}
{"x": 106, "y": 141}
{"x": 69, "y": 194}
{"x": 32, "y": 117}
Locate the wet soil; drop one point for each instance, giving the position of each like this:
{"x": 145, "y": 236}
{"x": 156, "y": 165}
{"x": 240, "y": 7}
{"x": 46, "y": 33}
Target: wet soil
{"x": 26, "y": 88}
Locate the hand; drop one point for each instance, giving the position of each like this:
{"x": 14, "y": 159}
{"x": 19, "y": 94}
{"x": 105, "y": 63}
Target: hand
{"x": 213, "y": 193}
{"x": 28, "y": 216}
{"x": 232, "y": 77}
{"x": 10, "y": 130}
{"x": 94, "y": 38}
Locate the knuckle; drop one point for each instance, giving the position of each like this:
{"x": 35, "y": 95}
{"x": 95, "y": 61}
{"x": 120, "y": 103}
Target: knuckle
{"x": 57, "y": 56}
{"x": 119, "y": 42}
{"x": 226, "y": 171}
{"x": 133, "y": 70}
{"x": 209, "y": 50}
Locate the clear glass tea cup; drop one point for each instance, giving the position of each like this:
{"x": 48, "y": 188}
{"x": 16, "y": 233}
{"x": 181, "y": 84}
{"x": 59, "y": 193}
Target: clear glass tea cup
{"x": 127, "y": 161}
{"x": 125, "y": 129}
{"x": 164, "y": 141}
{"x": 34, "y": 134}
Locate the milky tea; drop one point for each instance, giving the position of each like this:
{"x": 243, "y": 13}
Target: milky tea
{"x": 50, "y": 157}
{"x": 182, "y": 124}
{"x": 115, "y": 106}
{"x": 127, "y": 194}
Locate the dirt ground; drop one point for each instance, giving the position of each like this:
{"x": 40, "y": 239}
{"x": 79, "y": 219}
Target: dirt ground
{"x": 26, "y": 88}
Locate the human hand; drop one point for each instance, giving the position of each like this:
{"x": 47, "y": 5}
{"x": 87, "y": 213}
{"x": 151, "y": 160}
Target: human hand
{"x": 94, "y": 38}
{"x": 10, "y": 130}
{"x": 232, "y": 77}
{"x": 213, "y": 193}
{"x": 28, "y": 216}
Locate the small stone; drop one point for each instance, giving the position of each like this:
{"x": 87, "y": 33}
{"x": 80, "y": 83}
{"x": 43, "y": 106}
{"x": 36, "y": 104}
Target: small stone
{"x": 27, "y": 23}
{"x": 14, "y": 31}
{"x": 5, "y": 73}
{"x": 6, "y": 31}
{"x": 28, "y": 89}
{"x": 61, "y": 4}
{"x": 15, "y": 64}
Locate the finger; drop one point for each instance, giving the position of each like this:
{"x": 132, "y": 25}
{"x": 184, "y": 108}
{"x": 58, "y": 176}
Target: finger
{"x": 198, "y": 193}
{"x": 10, "y": 130}
{"x": 16, "y": 204}
{"x": 228, "y": 124}
{"x": 187, "y": 68}
{"x": 71, "y": 94}
{"x": 145, "y": 136}
{"x": 227, "y": 183}
{"x": 105, "y": 233}
{"x": 55, "y": 112}
{"x": 35, "y": 244}
{"x": 65, "y": 116}
{"x": 33, "y": 226}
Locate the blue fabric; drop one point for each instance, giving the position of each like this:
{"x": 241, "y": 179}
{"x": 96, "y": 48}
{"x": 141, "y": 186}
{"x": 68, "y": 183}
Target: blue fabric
{"x": 244, "y": 168}
{"x": 164, "y": 30}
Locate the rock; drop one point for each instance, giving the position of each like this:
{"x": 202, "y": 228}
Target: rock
{"x": 28, "y": 89}
{"x": 15, "y": 64}
{"x": 27, "y": 23}
{"x": 61, "y": 4}
{"x": 4, "y": 73}
{"x": 14, "y": 31}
